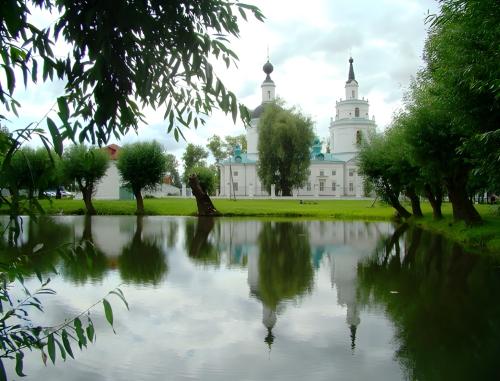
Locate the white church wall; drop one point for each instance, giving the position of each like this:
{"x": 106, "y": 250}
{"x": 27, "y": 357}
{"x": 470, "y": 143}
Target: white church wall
{"x": 109, "y": 187}
{"x": 252, "y": 137}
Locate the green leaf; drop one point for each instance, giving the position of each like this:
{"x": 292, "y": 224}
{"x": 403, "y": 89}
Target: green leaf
{"x": 63, "y": 108}
{"x": 3, "y": 375}
{"x": 119, "y": 293}
{"x": 19, "y": 364}
{"x": 82, "y": 341}
{"x": 11, "y": 79}
{"x": 90, "y": 331}
{"x": 66, "y": 343}
{"x": 234, "y": 107}
{"x": 108, "y": 311}
{"x": 34, "y": 71}
{"x": 56, "y": 136}
{"x": 61, "y": 350}
{"x": 51, "y": 348}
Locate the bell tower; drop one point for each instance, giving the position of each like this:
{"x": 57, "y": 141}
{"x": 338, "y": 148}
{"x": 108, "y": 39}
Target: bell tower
{"x": 352, "y": 123}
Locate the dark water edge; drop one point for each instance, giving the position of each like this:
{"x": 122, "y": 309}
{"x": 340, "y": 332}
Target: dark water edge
{"x": 261, "y": 299}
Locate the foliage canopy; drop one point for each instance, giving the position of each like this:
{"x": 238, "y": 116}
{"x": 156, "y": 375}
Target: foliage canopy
{"x": 285, "y": 139}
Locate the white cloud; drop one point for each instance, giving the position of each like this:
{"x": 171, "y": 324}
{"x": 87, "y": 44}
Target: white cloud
{"x": 309, "y": 47}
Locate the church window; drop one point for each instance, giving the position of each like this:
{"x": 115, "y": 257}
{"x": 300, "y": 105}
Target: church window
{"x": 353, "y": 93}
{"x": 235, "y": 187}
{"x": 308, "y": 186}
{"x": 356, "y": 112}
{"x": 334, "y": 186}
{"x": 269, "y": 95}
{"x": 321, "y": 186}
{"x": 351, "y": 187}
{"x": 359, "y": 137}
{"x": 351, "y": 172}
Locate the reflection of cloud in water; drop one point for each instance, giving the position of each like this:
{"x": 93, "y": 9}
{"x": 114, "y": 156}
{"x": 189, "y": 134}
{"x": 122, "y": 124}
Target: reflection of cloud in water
{"x": 200, "y": 323}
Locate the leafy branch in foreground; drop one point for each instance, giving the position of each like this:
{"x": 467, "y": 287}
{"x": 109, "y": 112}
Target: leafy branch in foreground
{"x": 154, "y": 54}
{"x": 19, "y": 333}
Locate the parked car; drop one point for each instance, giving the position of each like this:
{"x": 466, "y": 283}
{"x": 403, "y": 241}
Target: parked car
{"x": 65, "y": 193}
{"x": 50, "y": 193}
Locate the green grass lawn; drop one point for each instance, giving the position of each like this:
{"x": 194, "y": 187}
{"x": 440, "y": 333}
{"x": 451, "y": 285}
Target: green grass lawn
{"x": 486, "y": 236}
{"x": 339, "y": 209}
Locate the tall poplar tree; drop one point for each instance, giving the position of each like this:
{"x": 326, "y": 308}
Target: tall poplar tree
{"x": 285, "y": 139}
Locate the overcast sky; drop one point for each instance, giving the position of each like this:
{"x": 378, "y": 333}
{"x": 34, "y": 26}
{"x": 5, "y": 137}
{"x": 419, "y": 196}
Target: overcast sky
{"x": 309, "y": 46}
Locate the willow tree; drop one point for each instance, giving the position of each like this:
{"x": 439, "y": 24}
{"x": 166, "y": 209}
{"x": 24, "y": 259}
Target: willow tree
{"x": 85, "y": 166}
{"x": 459, "y": 86}
{"x": 142, "y": 166}
{"x": 377, "y": 163}
{"x": 285, "y": 139}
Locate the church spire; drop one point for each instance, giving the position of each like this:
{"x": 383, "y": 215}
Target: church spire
{"x": 351, "y": 86}
{"x": 351, "y": 71}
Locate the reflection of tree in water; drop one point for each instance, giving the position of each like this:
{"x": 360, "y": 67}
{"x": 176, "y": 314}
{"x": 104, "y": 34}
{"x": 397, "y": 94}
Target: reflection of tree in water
{"x": 443, "y": 303}
{"x": 45, "y": 233}
{"x": 284, "y": 268}
{"x": 198, "y": 245}
{"x": 172, "y": 232}
{"x": 86, "y": 261}
{"x": 142, "y": 261}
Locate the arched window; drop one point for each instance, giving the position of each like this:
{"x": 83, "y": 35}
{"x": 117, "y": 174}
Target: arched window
{"x": 353, "y": 94}
{"x": 359, "y": 137}
{"x": 356, "y": 112}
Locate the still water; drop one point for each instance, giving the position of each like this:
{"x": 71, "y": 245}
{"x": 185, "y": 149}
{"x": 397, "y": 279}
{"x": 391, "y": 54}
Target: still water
{"x": 240, "y": 299}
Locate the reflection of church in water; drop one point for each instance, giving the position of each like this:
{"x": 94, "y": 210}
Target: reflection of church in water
{"x": 337, "y": 245}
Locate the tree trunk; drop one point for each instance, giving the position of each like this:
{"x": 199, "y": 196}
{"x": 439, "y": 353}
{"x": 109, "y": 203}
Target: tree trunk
{"x": 87, "y": 229}
{"x": 200, "y": 239}
{"x": 435, "y": 199}
{"x": 203, "y": 201}
{"x": 391, "y": 242}
{"x": 415, "y": 238}
{"x": 394, "y": 201}
{"x": 415, "y": 202}
{"x": 14, "y": 226}
{"x": 87, "y": 199}
{"x": 463, "y": 209}
{"x": 286, "y": 191}
{"x": 140, "y": 202}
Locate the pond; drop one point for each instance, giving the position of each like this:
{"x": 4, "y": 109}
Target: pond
{"x": 247, "y": 299}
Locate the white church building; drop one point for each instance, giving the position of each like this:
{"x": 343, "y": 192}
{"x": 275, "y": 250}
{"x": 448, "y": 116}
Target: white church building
{"x": 332, "y": 174}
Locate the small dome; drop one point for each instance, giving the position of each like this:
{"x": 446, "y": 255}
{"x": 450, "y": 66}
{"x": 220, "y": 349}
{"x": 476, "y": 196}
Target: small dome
{"x": 268, "y": 67}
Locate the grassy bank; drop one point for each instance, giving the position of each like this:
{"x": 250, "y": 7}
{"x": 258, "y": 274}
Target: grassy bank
{"x": 479, "y": 238}
{"x": 485, "y": 237}
{"x": 338, "y": 209}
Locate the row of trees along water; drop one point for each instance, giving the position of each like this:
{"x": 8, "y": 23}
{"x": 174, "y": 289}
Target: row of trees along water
{"x": 140, "y": 165}
{"x": 115, "y": 62}
{"x": 446, "y": 139}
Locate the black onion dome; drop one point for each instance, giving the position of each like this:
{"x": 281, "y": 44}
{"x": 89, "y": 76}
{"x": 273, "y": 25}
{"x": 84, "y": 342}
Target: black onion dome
{"x": 268, "y": 67}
